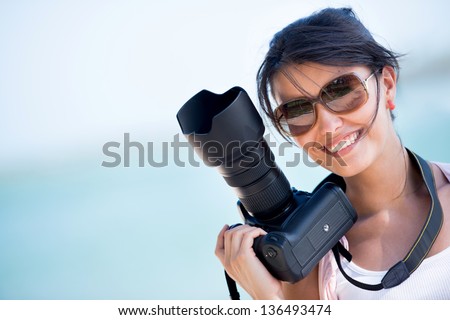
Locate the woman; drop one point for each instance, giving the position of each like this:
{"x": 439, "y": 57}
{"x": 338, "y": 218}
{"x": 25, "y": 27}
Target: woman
{"x": 334, "y": 87}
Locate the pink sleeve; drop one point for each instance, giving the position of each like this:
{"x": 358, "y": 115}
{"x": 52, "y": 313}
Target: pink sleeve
{"x": 445, "y": 168}
{"x": 327, "y": 275}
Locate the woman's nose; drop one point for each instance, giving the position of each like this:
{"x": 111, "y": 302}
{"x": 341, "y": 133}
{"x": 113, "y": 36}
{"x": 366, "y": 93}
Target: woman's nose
{"x": 327, "y": 121}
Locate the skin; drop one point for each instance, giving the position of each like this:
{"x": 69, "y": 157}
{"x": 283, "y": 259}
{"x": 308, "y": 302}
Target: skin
{"x": 376, "y": 164}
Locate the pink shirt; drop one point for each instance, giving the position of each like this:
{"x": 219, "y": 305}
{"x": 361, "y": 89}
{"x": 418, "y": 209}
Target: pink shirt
{"x": 328, "y": 268}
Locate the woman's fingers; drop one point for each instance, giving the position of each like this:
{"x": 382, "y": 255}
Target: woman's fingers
{"x": 220, "y": 244}
{"x": 250, "y": 236}
{"x": 238, "y": 244}
{"x": 234, "y": 249}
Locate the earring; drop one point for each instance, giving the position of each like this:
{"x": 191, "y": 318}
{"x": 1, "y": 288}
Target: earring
{"x": 391, "y": 105}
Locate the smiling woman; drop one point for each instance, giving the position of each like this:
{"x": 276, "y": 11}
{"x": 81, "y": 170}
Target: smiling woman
{"x": 335, "y": 88}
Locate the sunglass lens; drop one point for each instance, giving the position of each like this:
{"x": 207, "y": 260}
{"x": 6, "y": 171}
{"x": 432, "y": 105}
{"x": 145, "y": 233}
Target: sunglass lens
{"x": 345, "y": 93}
{"x": 297, "y": 116}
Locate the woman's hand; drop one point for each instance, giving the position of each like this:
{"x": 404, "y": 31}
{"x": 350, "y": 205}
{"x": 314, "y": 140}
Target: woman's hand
{"x": 234, "y": 250}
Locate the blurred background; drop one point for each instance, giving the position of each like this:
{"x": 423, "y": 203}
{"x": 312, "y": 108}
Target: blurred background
{"x": 75, "y": 75}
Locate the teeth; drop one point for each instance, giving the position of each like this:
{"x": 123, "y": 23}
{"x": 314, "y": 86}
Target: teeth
{"x": 347, "y": 141}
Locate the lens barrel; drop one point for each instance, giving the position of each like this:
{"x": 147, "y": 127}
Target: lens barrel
{"x": 226, "y": 131}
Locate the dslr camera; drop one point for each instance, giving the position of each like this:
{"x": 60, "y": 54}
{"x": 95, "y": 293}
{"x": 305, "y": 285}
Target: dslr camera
{"x": 226, "y": 131}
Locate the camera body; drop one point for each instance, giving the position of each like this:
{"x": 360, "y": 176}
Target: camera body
{"x": 316, "y": 222}
{"x": 226, "y": 131}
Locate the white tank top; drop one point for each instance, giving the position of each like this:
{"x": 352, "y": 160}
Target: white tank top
{"x": 430, "y": 281}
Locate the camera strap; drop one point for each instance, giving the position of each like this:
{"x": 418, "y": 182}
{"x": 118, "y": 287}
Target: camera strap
{"x": 232, "y": 287}
{"x": 404, "y": 268}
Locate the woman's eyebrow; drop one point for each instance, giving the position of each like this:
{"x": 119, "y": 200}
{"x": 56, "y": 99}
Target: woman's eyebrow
{"x": 294, "y": 98}
{"x": 303, "y": 94}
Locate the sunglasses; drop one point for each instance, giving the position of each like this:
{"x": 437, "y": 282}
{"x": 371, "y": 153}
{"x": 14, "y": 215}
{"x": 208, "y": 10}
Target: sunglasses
{"x": 342, "y": 95}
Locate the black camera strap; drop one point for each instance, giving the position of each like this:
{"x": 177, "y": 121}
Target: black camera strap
{"x": 404, "y": 268}
{"x": 232, "y": 287}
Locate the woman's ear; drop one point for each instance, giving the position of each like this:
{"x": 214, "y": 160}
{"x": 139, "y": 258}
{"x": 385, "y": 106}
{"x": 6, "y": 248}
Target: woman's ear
{"x": 389, "y": 81}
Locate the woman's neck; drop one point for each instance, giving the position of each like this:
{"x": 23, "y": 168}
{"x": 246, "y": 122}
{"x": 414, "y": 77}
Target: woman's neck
{"x": 384, "y": 183}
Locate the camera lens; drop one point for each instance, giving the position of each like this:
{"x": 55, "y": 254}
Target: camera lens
{"x": 226, "y": 131}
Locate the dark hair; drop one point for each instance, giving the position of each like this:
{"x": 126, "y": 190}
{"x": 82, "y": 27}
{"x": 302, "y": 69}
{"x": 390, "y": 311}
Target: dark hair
{"x": 332, "y": 36}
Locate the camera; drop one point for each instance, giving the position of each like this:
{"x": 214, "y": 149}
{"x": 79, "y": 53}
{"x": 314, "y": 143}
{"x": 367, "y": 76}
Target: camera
{"x": 226, "y": 131}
